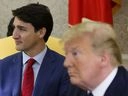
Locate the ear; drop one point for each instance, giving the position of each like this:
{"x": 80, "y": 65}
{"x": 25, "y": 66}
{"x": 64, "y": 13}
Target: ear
{"x": 105, "y": 59}
{"x": 42, "y": 32}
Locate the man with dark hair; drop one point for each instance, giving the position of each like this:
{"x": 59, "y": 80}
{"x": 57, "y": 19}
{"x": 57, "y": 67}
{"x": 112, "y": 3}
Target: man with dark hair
{"x": 36, "y": 70}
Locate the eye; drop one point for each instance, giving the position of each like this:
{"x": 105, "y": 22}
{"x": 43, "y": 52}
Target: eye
{"x": 22, "y": 29}
{"x": 74, "y": 53}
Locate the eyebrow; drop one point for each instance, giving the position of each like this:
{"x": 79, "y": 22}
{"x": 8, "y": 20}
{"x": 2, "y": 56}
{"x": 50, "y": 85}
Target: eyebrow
{"x": 20, "y": 27}
{"x": 75, "y": 48}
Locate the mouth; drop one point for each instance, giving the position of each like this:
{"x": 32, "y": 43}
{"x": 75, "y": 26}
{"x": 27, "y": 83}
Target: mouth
{"x": 18, "y": 42}
{"x": 70, "y": 73}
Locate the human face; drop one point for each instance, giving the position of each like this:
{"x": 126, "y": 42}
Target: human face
{"x": 26, "y": 39}
{"x": 82, "y": 62}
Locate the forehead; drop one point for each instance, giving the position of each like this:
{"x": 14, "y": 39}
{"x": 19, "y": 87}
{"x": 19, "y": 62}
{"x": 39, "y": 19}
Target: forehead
{"x": 18, "y": 22}
{"x": 82, "y": 42}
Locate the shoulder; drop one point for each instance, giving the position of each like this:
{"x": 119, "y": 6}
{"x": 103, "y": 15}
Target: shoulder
{"x": 56, "y": 61}
{"x": 122, "y": 77}
{"x": 122, "y": 71}
{"x": 54, "y": 54}
{"x": 11, "y": 57}
{"x": 122, "y": 74}
{"x": 120, "y": 83}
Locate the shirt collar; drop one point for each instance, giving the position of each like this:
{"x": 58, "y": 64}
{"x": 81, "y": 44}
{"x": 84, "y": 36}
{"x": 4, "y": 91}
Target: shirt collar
{"x": 39, "y": 57}
{"x": 105, "y": 84}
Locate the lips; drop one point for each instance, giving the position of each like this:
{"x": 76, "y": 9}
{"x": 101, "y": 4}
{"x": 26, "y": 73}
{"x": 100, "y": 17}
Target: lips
{"x": 70, "y": 73}
{"x": 18, "y": 42}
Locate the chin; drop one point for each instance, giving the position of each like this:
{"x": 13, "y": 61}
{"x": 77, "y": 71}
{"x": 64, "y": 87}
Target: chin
{"x": 19, "y": 49}
{"x": 74, "y": 81}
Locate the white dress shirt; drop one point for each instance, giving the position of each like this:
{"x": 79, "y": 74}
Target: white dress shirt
{"x": 36, "y": 66}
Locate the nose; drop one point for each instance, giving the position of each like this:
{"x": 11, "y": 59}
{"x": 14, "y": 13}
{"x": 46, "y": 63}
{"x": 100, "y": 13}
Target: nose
{"x": 67, "y": 61}
{"x": 15, "y": 34}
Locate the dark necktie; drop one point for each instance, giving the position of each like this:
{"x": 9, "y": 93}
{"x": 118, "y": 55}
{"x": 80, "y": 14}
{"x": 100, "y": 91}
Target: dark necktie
{"x": 90, "y": 94}
{"x": 28, "y": 80}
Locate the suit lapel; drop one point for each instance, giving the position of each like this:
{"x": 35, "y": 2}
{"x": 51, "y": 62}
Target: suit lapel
{"x": 44, "y": 74}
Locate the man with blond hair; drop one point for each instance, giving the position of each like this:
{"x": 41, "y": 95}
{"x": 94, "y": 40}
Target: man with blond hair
{"x": 93, "y": 60}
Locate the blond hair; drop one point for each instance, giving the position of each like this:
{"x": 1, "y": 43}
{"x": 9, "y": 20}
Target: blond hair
{"x": 102, "y": 35}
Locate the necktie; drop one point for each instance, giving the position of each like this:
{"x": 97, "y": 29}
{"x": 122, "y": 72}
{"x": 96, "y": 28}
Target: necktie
{"x": 28, "y": 80}
{"x": 90, "y": 94}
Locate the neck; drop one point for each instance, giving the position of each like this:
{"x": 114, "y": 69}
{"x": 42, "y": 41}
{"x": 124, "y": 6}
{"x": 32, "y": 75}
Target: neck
{"x": 35, "y": 50}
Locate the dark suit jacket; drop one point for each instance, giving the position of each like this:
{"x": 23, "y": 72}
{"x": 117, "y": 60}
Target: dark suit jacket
{"x": 52, "y": 79}
{"x": 118, "y": 87}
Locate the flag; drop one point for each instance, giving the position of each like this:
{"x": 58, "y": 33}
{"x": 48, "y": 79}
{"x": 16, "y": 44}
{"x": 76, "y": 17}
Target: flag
{"x": 97, "y": 10}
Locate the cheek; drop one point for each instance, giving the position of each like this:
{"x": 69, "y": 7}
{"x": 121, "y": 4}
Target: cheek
{"x": 29, "y": 38}
{"x": 90, "y": 71}
{"x": 29, "y": 42}
{"x": 80, "y": 67}
{"x": 82, "y": 64}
